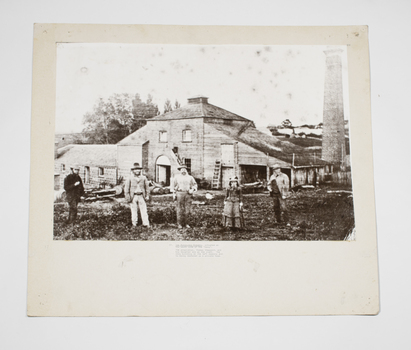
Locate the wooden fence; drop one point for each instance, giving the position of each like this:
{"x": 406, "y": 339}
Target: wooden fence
{"x": 342, "y": 177}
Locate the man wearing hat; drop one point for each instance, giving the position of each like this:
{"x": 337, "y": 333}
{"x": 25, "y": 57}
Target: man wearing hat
{"x": 184, "y": 186}
{"x": 137, "y": 193}
{"x": 73, "y": 185}
{"x": 278, "y": 185}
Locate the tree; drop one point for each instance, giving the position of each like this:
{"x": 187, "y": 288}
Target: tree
{"x": 117, "y": 117}
{"x": 97, "y": 123}
{"x": 142, "y": 111}
{"x": 79, "y": 139}
{"x": 177, "y": 105}
{"x": 167, "y": 106}
{"x": 286, "y": 123}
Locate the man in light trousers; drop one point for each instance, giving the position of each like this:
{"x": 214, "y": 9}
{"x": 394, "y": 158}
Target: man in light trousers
{"x": 184, "y": 186}
{"x": 278, "y": 185}
{"x": 137, "y": 193}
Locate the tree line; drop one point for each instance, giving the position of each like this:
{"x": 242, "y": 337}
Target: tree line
{"x": 114, "y": 118}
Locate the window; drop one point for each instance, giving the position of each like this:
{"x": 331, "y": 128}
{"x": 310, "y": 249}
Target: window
{"x": 187, "y": 162}
{"x": 187, "y": 135}
{"x": 163, "y": 136}
{"x": 63, "y": 167}
{"x": 100, "y": 171}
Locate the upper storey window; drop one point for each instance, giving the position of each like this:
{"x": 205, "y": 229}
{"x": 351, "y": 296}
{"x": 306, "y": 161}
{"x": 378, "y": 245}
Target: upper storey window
{"x": 187, "y": 135}
{"x": 163, "y": 136}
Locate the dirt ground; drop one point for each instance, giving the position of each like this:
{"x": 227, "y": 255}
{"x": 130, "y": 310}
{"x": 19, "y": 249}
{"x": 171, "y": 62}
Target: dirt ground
{"x": 324, "y": 213}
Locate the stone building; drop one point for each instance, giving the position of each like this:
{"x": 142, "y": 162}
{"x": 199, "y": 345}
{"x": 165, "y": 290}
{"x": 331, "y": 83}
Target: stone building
{"x": 215, "y": 144}
{"x": 98, "y": 164}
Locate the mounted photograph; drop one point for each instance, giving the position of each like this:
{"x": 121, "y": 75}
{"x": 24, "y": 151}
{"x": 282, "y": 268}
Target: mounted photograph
{"x": 202, "y": 143}
{"x": 201, "y": 171}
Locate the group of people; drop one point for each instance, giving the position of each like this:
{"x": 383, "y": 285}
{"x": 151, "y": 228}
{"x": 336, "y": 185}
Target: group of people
{"x": 278, "y": 187}
{"x": 137, "y": 194}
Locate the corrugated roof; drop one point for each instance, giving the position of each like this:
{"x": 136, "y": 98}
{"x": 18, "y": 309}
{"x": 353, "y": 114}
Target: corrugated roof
{"x": 276, "y": 148}
{"x": 88, "y": 155}
{"x": 199, "y": 110}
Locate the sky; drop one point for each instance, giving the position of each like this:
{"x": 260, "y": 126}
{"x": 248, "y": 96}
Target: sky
{"x": 264, "y": 83}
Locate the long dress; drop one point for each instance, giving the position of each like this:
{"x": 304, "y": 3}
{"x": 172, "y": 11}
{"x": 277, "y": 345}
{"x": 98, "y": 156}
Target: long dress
{"x": 232, "y": 215}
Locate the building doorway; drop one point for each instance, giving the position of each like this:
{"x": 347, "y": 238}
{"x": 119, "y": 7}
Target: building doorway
{"x": 226, "y": 174}
{"x": 144, "y": 156}
{"x": 227, "y": 154}
{"x": 56, "y": 182}
{"x": 287, "y": 171}
{"x": 253, "y": 173}
{"x": 163, "y": 170}
{"x": 86, "y": 174}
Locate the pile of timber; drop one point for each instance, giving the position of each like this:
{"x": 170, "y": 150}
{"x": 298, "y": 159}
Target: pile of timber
{"x": 302, "y": 188}
{"x": 157, "y": 188}
{"x": 96, "y": 194}
{"x": 253, "y": 186}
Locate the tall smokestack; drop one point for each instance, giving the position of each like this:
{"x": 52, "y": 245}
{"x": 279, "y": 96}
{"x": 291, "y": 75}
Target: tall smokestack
{"x": 333, "y": 138}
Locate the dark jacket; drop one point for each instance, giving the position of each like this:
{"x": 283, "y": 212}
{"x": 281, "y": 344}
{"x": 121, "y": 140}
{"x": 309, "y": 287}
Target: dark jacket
{"x": 73, "y": 192}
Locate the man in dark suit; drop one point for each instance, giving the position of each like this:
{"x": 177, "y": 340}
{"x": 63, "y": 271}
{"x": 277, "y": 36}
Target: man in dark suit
{"x": 73, "y": 185}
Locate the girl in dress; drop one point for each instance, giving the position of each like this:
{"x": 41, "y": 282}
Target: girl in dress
{"x": 233, "y": 205}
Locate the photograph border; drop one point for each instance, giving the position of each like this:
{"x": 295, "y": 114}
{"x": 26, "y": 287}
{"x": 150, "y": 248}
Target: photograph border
{"x": 249, "y": 278}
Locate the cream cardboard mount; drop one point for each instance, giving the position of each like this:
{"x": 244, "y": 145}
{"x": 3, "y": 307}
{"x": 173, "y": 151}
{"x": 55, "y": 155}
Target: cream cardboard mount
{"x": 153, "y": 278}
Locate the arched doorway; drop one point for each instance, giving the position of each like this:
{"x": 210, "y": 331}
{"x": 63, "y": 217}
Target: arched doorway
{"x": 163, "y": 170}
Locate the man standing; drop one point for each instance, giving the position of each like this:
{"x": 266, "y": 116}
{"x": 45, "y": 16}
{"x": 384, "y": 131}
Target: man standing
{"x": 137, "y": 193}
{"x": 278, "y": 185}
{"x": 184, "y": 186}
{"x": 73, "y": 185}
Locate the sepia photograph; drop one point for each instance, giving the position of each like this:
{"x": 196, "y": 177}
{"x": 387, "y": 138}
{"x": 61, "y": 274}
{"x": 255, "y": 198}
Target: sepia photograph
{"x": 202, "y": 143}
{"x": 180, "y": 175}
{"x": 181, "y": 166}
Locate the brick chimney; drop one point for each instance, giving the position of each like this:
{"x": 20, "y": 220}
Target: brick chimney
{"x": 333, "y": 138}
{"x": 198, "y": 99}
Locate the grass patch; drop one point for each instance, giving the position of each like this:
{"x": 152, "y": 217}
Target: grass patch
{"x": 314, "y": 215}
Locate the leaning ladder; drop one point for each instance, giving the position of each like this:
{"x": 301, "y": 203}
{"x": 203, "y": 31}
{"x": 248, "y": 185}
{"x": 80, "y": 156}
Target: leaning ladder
{"x": 177, "y": 157}
{"x": 217, "y": 175}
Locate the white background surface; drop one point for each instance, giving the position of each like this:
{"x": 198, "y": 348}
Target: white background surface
{"x": 389, "y": 30}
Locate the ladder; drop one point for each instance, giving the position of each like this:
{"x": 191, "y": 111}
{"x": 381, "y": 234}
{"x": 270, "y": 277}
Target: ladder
{"x": 177, "y": 157}
{"x": 217, "y": 175}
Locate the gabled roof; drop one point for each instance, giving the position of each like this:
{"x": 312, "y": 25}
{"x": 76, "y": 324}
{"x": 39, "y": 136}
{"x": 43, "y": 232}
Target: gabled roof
{"x": 132, "y": 138}
{"x": 198, "y": 107}
{"x": 88, "y": 155}
{"x": 282, "y": 150}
